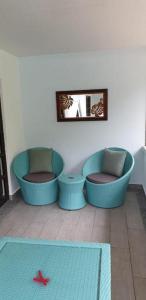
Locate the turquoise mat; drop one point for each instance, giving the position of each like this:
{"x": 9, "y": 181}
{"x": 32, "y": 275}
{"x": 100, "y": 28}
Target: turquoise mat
{"x": 77, "y": 271}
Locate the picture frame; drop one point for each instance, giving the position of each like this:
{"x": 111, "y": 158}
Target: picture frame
{"x": 82, "y": 105}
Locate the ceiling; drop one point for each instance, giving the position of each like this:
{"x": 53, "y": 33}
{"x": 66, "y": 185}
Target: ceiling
{"x": 35, "y": 27}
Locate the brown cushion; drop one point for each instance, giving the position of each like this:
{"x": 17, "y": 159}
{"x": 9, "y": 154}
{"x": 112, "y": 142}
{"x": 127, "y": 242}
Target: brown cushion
{"x": 101, "y": 177}
{"x": 113, "y": 162}
{"x": 39, "y": 177}
{"x": 40, "y": 160}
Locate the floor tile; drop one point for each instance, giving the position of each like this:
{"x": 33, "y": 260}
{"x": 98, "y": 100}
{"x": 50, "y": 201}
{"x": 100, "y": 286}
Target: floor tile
{"x": 119, "y": 238}
{"x": 100, "y": 234}
{"x": 122, "y": 281}
{"x": 138, "y": 264}
{"x": 33, "y": 230}
{"x": 137, "y": 240}
{"x": 140, "y": 288}
{"x": 118, "y": 220}
{"x": 133, "y": 215}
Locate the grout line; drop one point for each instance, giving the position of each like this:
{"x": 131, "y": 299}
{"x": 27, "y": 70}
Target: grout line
{"x": 130, "y": 254}
{"x": 141, "y": 277}
{"x": 93, "y": 223}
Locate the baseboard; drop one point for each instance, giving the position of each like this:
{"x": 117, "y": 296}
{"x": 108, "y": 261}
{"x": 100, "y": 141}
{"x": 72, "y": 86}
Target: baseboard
{"x": 15, "y": 191}
{"x": 136, "y": 188}
{"x": 15, "y": 195}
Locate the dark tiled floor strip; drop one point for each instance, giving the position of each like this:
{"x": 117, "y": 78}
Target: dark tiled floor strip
{"x": 141, "y": 199}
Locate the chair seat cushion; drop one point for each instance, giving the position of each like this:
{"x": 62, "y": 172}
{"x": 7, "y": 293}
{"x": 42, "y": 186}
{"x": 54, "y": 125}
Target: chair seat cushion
{"x": 101, "y": 178}
{"x": 39, "y": 177}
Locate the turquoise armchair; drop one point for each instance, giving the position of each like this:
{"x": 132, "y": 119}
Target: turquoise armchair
{"x": 37, "y": 193}
{"x": 107, "y": 195}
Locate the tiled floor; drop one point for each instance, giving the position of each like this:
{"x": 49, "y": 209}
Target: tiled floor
{"x": 121, "y": 227}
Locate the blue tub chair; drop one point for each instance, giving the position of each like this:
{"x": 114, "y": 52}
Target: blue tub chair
{"x": 37, "y": 193}
{"x": 107, "y": 195}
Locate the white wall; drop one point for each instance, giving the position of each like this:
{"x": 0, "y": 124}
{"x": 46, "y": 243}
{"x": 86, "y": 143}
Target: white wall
{"x": 122, "y": 72}
{"x": 11, "y": 111}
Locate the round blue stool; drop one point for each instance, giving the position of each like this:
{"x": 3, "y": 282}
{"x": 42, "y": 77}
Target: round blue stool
{"x": 71, "y": 195}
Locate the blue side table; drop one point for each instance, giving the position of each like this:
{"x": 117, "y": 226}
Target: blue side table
{"x": 71, "y": 195}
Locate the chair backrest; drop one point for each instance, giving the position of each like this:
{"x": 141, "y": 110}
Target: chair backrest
{"x": 58, "y": 163}
{"x": 93, "y": 163}
{"x": 20, "y": 164}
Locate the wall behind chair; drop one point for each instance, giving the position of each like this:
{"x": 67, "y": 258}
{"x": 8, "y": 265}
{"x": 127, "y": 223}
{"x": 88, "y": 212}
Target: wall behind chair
{"x": 121, "y": 71}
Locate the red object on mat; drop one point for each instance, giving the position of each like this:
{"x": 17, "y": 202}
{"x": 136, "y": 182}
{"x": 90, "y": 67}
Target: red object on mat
{"x": 41, "y": 279}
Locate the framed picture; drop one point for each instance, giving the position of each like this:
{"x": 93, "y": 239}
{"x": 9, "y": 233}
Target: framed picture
{"x": 82, "y": 105}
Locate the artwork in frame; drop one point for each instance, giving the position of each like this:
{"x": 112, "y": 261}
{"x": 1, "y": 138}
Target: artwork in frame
{"x": 82, "y": 105}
